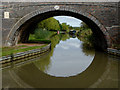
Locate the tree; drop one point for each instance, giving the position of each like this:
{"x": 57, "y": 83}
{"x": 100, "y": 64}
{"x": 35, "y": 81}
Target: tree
{"x": 84, "y": 25}
{"x": 65, "y": 26}
{"x": 70, "y": 27}
{"x": 49, "y": 24}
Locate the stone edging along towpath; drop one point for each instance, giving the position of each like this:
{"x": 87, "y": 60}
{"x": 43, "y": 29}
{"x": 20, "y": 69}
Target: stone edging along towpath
{"x": 18, "y": 56}
{"x": 113, "y": 51}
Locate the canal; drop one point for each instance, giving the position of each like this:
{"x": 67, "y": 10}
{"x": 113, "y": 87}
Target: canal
{"x": 69, "y": 64}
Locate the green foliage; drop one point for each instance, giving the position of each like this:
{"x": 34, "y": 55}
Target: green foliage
{"x": 40, "y": 41}
{"x": 65, "y": 27}
{"x": 64, "y": 37}
{"x": 86, "y": 36}
{"x": 31, "y": 37}
{"x": 84, "y": 25}
{"x": 60, "y": 26}
{"x": 42, "y": 34}
{"x": 53, "y": 24}
{"x": 76, "y": 28}
{"x": 85, "y": 33}
{"x": 88, "y": 50}
{"x": 70, "y": 27}
{"x": 49, "y": 24}
{"x": 43, "y": 63}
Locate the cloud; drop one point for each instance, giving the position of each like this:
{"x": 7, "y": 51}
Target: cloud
{"x": 77, "y": 45}
{"x": 63, "y": 46}
{"x": 69, "y": 20}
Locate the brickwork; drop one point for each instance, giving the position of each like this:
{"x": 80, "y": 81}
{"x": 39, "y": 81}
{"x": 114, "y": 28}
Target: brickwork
{"x": 102, "y": 15}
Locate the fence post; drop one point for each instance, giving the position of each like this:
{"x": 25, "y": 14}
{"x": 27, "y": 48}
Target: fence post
{"x": 12, "y": 56}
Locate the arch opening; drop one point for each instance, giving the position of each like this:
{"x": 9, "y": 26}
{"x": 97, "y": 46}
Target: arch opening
{"x": 22, "y": 33}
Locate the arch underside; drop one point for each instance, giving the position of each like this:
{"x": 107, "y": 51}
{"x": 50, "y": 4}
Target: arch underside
{"x": 22, "y": 29}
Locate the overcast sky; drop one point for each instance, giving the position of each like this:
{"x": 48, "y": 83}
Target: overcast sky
{"x": 69, "y": 20}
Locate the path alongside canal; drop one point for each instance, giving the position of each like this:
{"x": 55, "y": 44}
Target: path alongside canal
{"x": 22, "y": 51}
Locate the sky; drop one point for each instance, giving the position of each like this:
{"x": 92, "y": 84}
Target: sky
{"x": 74, "y": 22}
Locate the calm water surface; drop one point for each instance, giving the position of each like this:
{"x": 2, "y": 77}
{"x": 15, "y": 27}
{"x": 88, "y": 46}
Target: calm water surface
{"x": 68, "y": 59}
{"x": 69, "y": 64}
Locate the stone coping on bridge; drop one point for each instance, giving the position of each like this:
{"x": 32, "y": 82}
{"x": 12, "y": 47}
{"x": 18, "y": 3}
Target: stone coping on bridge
{"x": 113, "y": 51}
{"x": 21, "y": 55}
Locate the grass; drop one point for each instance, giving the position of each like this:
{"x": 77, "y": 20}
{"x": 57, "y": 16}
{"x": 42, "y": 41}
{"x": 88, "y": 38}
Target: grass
{"x": 42, "y": 33}
{"x": 40, "y": 36}
{"x": 13, "y": 50}
{"x": 40, "y": 41}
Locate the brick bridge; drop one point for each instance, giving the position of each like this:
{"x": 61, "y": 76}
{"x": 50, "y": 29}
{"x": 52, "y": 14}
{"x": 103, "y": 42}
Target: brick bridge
{"x": 19, "y": 18}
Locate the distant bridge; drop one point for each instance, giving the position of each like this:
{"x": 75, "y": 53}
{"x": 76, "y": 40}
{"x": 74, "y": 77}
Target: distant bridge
{"x": 20, "y": 17}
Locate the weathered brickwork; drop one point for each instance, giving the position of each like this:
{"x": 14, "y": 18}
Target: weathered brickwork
{"x": 103, "y": 15}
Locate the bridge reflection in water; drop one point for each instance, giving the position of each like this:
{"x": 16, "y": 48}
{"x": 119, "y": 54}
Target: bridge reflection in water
{"x": 89, "y": 68}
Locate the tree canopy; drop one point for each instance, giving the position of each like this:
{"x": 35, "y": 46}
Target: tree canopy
{"x": 49, "y": 24}
{"x": 53, "y": 24}
{"x": 84, "y": 25}
{"x": 65, "y": 26}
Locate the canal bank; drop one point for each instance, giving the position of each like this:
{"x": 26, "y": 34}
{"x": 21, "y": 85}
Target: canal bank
{"x": 114, "y": 52}
{"x": 21, "y": 55}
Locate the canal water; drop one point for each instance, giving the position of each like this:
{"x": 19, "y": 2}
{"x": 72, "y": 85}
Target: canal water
{"x": 70, "y": 63}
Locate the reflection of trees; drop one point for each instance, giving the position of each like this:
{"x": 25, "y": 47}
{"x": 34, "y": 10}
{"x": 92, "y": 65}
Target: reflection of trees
{"x": 64, "y": 37}
{"x": 72, "y": 35}
{"x": 54, "y": 41}
{"x": 87, "y": 45}
{"x": 87, "y": 49}
{"x": 44, "y": 62}
{"x": 87, "y": 40}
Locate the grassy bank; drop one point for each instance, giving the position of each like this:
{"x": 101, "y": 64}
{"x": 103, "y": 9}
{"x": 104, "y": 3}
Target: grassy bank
{"x": 42, "y": 41}
{"x": 16, "y": 49}
{"x": 37, "y": 40}
{"x": 41, "y": 34}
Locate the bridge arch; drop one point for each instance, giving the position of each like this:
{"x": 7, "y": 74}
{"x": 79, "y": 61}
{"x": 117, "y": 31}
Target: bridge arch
{"x": 26, "y": 22}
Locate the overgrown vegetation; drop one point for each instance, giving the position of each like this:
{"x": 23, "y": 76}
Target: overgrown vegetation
{"x": 65, "y": 27}
{"x": 49, "y": 24}
{"x": 86, "y": 35}
{"x": 42, "y": 33}
{"x": 41, "y": 36}
{"x": 53, "y": 24}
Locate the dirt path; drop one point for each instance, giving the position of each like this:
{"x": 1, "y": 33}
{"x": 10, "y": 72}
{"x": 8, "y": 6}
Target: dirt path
{"x": 26, "y": 45}
{"x": 30, "y": 44}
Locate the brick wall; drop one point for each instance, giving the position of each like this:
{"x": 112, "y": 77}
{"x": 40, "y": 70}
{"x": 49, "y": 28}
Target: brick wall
{"x": 105, "y": 15}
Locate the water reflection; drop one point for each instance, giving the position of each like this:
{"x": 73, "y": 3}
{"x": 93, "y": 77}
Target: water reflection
{"x": 68, "y": 59}
{"x": 85, "y": 67}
